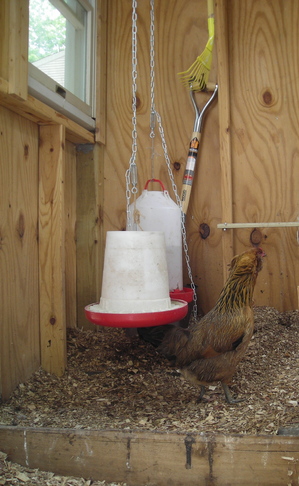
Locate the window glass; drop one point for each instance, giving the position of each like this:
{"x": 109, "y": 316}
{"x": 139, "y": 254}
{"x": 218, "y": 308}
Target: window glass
{"x": 61, "y": 46}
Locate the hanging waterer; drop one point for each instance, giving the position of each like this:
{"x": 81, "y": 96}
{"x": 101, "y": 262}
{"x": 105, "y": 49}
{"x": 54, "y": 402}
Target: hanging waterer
{"x": 156, "y": 211}
{"x": 135, "y": 286}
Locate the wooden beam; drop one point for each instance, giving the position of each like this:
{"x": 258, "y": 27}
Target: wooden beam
{"x": 52, "y": 248}
{"x": 42, "y": 114}
{"x": 138, "y": 457}
{"x": 70, "y": 235}
{"x": 14, "y": 28}
{"x": 224, "y": 130}
{"x": 18, "y": 48}
{"x": 89, "y": 228}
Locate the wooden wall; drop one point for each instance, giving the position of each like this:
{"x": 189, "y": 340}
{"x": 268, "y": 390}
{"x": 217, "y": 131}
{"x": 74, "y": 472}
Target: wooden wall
{"x": 259, "y": 182}
{"x": 265, "y": 132}
{"x": 19, "y": 295}
{"x": 247, "y": 170}
{"x": 22, "y": 257}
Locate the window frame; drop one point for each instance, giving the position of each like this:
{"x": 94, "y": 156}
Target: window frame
{"x": 50, "y": 92}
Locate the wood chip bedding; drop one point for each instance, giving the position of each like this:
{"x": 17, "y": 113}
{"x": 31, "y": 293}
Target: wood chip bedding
{"x": 118, "y": 382}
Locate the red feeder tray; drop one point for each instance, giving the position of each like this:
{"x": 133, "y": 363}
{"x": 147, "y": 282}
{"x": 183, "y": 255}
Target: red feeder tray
{"x": 178, "y": 311}
{"x": 185, "y": 294}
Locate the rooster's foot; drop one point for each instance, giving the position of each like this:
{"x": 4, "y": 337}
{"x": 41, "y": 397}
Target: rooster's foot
{"x": 202, "y": 392}
{"x": 228, "y": 395}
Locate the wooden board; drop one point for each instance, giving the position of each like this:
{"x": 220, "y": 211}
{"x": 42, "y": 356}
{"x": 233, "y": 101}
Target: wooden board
{"x": 19, "y": 294}
{"x": 247, "y": 168}
{"x": 159, "y": 459}
{"x": 264, "y": 63}
{"x": 52, "y": 248}
{"x": 187, "y": 29}
{"x": 70, "y": 195}
{"x": 18, "y": 48}
{"x": 89, "y": 228}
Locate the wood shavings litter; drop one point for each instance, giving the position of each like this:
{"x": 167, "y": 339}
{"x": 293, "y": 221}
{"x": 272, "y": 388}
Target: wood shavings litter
{"x": 11, "y": 473}
{"x": 118, "y": 382}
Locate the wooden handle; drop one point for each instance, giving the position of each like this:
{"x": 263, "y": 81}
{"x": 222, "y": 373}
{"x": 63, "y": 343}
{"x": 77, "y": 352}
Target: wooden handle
{"x": 189, "y": 171}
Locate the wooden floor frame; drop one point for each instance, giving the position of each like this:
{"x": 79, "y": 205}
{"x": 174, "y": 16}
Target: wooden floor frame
{"x": 155, "y": 458}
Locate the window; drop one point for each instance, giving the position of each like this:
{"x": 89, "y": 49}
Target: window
{"x": 62, "y": 56}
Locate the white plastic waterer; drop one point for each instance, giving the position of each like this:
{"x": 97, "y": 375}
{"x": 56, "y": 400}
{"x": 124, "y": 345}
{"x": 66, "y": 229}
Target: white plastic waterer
{"x": 135, "y": 276}
{"x": 156, "y": 211}
{"x": 135, "y": 287}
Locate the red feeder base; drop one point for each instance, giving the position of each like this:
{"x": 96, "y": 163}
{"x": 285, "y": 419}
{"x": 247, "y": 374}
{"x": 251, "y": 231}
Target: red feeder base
{"x": 178, "y": 311}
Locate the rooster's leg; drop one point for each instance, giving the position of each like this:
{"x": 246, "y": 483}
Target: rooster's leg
{"x": 202, "y": 392}
{"x": 228, "y": 395}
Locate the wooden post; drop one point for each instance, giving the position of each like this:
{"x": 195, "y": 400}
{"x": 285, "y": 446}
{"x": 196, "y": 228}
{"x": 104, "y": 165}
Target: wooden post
{"x": 224, "y": 130}
{"x": 89, "y": 228}
{"x": 18, "y": 48}
{"x": 51, "y": 248}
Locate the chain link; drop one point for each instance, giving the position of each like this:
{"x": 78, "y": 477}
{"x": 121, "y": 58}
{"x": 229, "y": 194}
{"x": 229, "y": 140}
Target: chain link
{"x": 131, "y": 173}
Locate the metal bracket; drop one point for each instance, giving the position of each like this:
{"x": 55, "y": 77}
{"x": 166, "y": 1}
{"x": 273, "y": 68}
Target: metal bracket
{"x": 279, "y": 224}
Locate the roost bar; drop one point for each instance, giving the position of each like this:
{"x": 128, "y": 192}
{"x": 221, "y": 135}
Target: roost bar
{"x": 63, "y": 187}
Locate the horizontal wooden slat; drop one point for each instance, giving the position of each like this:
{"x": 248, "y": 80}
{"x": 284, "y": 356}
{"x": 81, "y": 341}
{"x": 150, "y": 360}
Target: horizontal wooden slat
{"x": 36, "y": 111}
{"x": 155, "y": 458}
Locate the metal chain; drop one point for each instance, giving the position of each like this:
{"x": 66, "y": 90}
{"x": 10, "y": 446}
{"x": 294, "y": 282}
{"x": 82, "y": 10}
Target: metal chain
{"x": 179, "y": 203}
{"x": 152, "y": 83}
{"x": 131, "y": 173}
{"x": 156, "y": 116}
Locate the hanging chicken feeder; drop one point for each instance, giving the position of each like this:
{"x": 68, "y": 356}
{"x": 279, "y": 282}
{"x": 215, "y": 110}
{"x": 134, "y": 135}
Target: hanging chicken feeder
{"x": 135, "y": 288}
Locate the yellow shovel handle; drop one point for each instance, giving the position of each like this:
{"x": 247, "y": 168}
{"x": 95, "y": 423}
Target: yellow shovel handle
{"x": 211, "y": 23}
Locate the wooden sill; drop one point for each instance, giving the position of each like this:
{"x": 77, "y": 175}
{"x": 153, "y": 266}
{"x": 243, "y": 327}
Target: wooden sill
{"x": 38, "y": 112}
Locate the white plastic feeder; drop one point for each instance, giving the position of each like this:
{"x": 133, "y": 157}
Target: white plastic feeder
{"x": 135, "y": 287}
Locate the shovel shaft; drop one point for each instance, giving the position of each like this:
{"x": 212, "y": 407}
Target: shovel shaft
{"x": 190, "y": 169}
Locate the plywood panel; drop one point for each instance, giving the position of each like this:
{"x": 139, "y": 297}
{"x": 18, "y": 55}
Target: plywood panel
{"x": 264, "y": 65}
{"x": 186, "y": 26}
{"x": 258, "y": 124}
{"x": 19, "y": 304}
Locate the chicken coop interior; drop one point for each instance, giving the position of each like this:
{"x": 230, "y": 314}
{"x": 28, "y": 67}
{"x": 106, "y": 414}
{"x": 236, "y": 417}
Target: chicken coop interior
{"x": 67, "y": 181}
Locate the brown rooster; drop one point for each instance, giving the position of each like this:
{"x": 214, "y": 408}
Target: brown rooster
{"x": 210, "y": 349}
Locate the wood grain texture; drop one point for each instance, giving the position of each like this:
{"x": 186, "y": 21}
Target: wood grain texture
{"x": 186, "y": 26}
{"x": 264, "y": 67}
{"x": 223, "y": 70}
{"x": 247, "y": 167}
{"x": 19, "y": 294}
{"x": 70, "y": 195}
{"x": 52, "y": 248}
{"x": 89, "y": 228}
{"x": 18, "y": 48}
{"x": 156, "y": 458}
